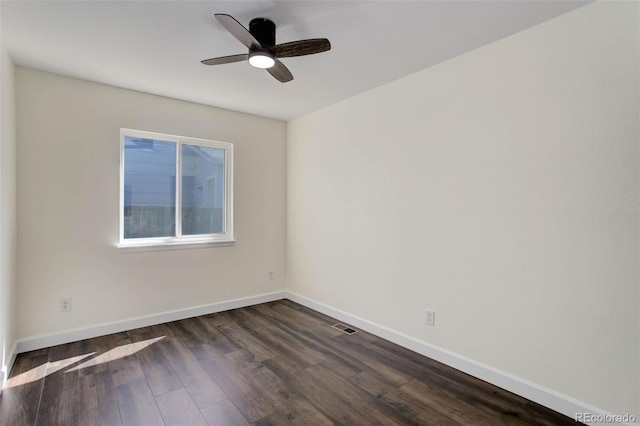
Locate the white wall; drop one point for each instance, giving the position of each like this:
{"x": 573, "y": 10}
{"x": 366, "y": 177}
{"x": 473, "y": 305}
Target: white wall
{"x": 68, "y": 168}
{"x": 8, "y": 237}
{"x": 501, "y": 189}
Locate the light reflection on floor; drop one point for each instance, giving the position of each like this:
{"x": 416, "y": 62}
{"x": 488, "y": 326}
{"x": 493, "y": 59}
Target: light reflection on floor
{"x": 90, "y": 359}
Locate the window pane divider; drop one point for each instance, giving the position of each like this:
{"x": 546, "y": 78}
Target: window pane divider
{"x": 178, "y": 221}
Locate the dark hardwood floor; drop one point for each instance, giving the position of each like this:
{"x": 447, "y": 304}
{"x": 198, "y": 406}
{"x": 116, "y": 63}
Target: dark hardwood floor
{"x": 270, "y": 364}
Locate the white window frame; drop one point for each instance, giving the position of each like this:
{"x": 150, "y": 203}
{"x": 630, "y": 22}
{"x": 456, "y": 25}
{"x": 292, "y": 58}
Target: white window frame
{"x": 179, "y": 240}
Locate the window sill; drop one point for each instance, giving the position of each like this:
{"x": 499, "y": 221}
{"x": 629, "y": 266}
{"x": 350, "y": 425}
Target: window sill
{"x": 124, "y": 248}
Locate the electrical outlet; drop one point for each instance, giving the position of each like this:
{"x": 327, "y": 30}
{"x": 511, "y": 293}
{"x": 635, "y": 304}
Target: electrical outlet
{"x": 65, "y": 304}
{"x": 270, "y": 274}
{"x": 430, "y": 317}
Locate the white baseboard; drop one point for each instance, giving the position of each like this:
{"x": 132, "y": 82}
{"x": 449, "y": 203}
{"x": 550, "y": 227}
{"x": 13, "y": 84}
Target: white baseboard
{"x": 72, "y": 335}
{"x": 544, "y": 396}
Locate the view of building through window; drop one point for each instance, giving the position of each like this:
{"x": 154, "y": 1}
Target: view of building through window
{"x": 202, "y": 190}
{"x": 173, "y": 188}
{"x": 149, "y": 188}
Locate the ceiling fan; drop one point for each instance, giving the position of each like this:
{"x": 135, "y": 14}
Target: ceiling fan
{"x": 260, "y": 39}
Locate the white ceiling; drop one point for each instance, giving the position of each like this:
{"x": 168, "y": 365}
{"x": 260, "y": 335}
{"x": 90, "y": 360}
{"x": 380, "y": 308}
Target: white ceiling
{"x": 156, "y": 46}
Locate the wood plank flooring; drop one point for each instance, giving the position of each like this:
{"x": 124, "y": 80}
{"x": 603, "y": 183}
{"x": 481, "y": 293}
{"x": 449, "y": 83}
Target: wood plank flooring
{"x": 277, "y": 363}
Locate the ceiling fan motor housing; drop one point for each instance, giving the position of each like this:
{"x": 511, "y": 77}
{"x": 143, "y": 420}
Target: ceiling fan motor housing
{"x": 264, "y": 31}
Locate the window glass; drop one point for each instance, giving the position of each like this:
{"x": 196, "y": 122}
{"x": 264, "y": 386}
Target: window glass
{"x": 149, "y": 188}
{"x": 174, "y": 190}
{"x": 203, "y": 186}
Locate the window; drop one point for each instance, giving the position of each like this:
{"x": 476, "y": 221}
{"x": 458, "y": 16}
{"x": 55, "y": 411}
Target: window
{"x": 174, "y": 190}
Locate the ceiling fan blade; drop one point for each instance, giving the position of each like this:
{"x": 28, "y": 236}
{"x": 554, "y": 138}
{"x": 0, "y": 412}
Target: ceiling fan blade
{"x": 301, "y": 47}
{"x": 226, "y": 59}
{"x": 280, "y": 72}
{"x": 237, "y": 30}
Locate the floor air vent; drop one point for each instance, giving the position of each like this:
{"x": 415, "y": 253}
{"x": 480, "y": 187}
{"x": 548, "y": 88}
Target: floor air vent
{"x": 344, "y": 328}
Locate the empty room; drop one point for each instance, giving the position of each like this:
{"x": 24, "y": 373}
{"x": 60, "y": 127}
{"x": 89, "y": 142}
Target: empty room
{"x": 319, "y": 212}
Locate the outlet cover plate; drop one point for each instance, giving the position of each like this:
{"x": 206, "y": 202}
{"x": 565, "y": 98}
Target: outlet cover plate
{"x": 65, "y": 304}
{"x": 430, "y": 317}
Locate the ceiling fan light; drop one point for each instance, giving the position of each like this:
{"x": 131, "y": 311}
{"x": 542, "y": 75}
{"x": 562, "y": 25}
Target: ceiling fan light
{"x": 260, "y": 59}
